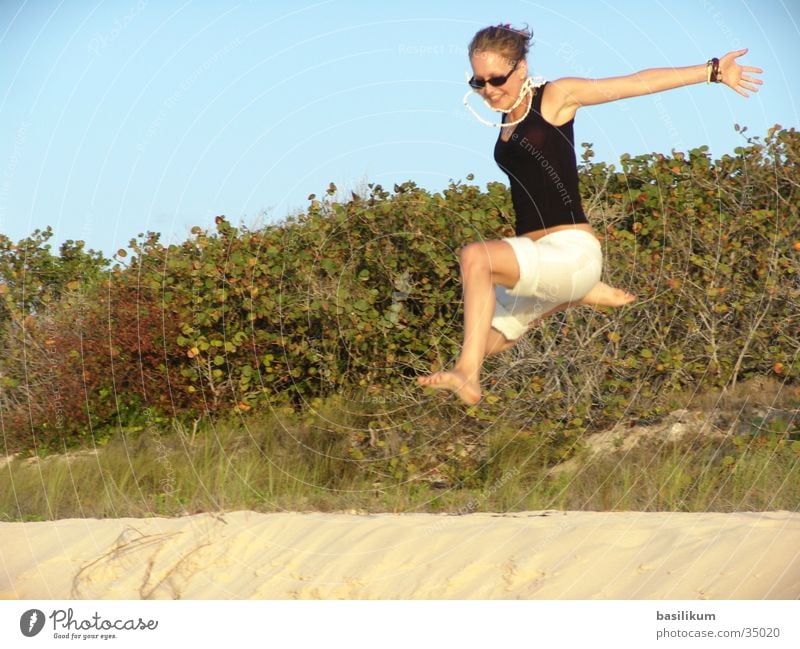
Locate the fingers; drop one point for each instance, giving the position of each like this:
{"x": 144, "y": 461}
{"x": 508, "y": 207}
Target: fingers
{"x": 748, "y": 83}
{"x": 742, "y": 87}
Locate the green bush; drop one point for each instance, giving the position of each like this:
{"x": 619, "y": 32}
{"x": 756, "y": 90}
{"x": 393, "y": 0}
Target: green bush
{"x": 355, "y": 298}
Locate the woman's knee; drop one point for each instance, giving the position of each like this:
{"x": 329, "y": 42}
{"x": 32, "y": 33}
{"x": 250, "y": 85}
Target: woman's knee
{"x": 474, "y": 257}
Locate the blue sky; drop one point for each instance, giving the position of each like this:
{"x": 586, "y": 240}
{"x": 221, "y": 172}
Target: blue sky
{"x": 126, "y": 116}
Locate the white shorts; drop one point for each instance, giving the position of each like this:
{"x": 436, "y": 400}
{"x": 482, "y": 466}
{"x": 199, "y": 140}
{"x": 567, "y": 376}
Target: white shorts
{"x": 558, "y": 268}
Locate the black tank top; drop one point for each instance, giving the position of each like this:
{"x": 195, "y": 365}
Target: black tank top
{"x": 539, "y": 159}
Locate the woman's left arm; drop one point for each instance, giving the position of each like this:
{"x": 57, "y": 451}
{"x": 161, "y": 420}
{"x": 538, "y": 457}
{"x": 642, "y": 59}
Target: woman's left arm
{"x": 571, "y": 93}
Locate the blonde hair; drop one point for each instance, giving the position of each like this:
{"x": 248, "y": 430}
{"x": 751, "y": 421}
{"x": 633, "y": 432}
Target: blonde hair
{"x": 511, "y": 43}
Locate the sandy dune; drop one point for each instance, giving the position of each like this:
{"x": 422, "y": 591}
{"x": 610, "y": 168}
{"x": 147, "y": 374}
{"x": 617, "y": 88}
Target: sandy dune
{"x": 531, "y": 555}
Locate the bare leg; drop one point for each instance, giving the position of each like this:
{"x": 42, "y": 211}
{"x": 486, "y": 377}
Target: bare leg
{"x": 601, "y": 295}
{"x": 483, "y": 265}
{"x": 497, "y": 343}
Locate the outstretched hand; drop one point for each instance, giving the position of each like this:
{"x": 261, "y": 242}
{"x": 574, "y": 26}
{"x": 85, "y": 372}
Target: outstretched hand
{"x": 738, "y": 76}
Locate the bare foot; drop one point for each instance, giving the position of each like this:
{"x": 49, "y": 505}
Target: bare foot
{"x": 468, "y": 390}
{"x": 604, "y": 295}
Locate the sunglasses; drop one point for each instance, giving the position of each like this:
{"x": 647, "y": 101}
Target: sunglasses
{"x": 477, "y": 84}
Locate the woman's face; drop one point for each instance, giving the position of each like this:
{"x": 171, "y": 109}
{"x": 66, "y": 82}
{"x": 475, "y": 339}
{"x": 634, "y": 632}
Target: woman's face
{"x": 486, "y": 65}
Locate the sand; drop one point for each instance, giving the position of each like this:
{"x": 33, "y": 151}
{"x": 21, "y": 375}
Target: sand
{"x": 530, "y": 555}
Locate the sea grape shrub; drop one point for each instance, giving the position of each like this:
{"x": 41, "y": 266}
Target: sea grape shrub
{"x": 357, "y": 296}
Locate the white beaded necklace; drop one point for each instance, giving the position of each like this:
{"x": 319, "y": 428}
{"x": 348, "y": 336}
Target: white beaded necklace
{"x": 528, "y": 87}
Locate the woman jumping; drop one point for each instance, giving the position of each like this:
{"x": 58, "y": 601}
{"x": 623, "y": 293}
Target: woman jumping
{"x": 555, "y": 260}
